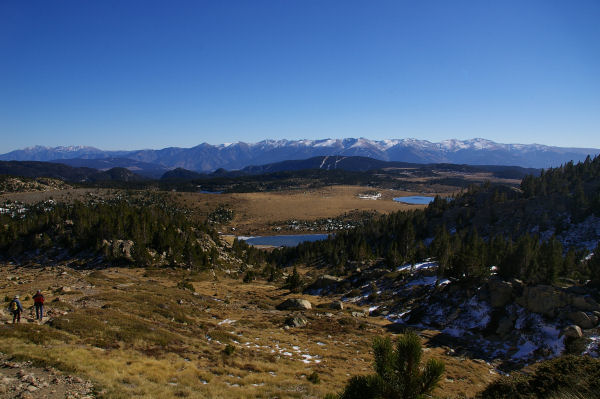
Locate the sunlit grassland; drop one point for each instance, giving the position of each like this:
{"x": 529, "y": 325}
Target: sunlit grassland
{"x": 136, "y": 334}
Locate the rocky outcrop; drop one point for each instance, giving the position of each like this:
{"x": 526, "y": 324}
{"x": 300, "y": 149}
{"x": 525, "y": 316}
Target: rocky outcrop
{"x": 119, "y": 248}
{"x": 324, "y": 282}
{"x": 583, "y": 320}
{"x": 294, "y": 304}
{"x": 543, "y": 299}
{"x": 584, "y": 302}
{"x": 501, "y": 292}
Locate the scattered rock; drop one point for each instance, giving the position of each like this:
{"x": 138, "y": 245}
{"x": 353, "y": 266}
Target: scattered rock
{"x": 296, "y": 321}
{"x": 294, "y": 304}
{"x": 358, "y": 314}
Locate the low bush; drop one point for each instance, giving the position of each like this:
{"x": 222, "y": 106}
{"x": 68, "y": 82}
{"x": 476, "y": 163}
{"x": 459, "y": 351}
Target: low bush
{"x": 314, "y": 377}
{"x": 564, "y": 377}
{"x": 229, "y": 350}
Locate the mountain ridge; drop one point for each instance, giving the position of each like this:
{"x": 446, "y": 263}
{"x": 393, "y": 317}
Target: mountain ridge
{"x": 232, "y": 156}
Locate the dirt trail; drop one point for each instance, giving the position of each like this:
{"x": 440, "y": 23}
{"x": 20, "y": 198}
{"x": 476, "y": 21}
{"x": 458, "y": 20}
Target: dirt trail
{"x": 24, "y": 380}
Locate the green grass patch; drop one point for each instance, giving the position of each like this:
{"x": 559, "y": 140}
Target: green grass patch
{"x": 39, "y": 334}
{"x": 107, "y": 327}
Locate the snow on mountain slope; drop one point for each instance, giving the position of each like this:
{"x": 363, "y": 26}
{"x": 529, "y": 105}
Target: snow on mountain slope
{"x": 206, "y": 157}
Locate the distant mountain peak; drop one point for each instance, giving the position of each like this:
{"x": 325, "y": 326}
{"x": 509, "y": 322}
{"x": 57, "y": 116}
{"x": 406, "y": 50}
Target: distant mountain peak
{"x": 206, "y": 157}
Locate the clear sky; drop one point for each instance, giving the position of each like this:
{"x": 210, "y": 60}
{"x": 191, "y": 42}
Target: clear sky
{"x": 120, "y": 74}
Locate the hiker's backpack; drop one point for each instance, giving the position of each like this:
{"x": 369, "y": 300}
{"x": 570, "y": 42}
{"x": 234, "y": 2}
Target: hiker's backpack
{"x": 13, "y": 305}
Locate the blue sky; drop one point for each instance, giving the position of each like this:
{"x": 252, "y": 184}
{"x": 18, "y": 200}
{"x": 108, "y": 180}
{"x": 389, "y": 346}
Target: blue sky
{"x": 120, "y": 74}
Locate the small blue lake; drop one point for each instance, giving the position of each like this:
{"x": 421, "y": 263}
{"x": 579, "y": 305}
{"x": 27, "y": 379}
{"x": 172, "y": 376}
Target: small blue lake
{"x": 415, "y": 200}
{"x": 210, "y": 192}
{"x": 284, "y": 240}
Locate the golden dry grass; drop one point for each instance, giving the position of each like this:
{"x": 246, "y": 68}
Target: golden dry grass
{"x": 135, "y": 334}
{"x": 255, "y": 212}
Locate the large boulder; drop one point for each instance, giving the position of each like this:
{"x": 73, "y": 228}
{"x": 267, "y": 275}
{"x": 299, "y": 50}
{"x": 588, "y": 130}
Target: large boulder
{"x": 543, "y": 299}
{"x": 572, "y": 331}
{"x": 337, "y": 305}
{"x": 583, "y": 320}
{"x": 501, "y": 292}
{"x": 584, "y": 302}
{"x": 294, "y": 304}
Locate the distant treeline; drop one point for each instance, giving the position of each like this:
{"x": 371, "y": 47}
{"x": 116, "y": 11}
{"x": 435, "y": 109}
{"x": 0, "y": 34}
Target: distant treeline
{"x": 282, "y": 175}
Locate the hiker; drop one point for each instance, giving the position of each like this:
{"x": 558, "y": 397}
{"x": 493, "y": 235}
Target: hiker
{"x": 15, "y": 307}
{"x": 38, "y": 301}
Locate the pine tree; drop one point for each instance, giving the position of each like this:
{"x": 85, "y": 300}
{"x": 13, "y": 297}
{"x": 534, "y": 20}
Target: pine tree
{"x": 441, "y": 250}
{"x": 398, "y": 372}
{"x": 593, "y": 265}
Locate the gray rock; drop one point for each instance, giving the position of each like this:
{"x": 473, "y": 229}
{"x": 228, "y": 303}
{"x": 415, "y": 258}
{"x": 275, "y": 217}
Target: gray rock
{"x": 543, "y": 299}
{"x": 500, "y": 292}
{"x": 505, "y": 326}
{"x": 337, "y": 305}
{"x": 119, "y": 247}
{"x": 571, "y": 331}
{"x": 581, "y": 319}
{"x": 584, "y": 302}
{"x": 324, "y": 283}
{"x": 296, "y": 321}
{"x": 295, "y": 304}
{"x": 358, "y": 314}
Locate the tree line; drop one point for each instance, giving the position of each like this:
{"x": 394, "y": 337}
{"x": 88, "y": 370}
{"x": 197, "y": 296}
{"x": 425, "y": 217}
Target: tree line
{"x": 84, "y": 227}
{"x": 487, "y": 228}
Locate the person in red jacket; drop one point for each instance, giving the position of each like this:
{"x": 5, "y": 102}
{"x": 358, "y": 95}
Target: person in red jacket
{"x": 38, "y": 301}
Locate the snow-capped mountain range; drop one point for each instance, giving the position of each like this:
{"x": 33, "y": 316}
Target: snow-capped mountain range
{"x": 206, "y": 157}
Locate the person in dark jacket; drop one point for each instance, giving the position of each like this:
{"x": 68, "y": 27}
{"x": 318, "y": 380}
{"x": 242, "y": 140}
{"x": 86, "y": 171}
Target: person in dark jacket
{"x": 15, "y": 307}
{"x": 38, "y": 301}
